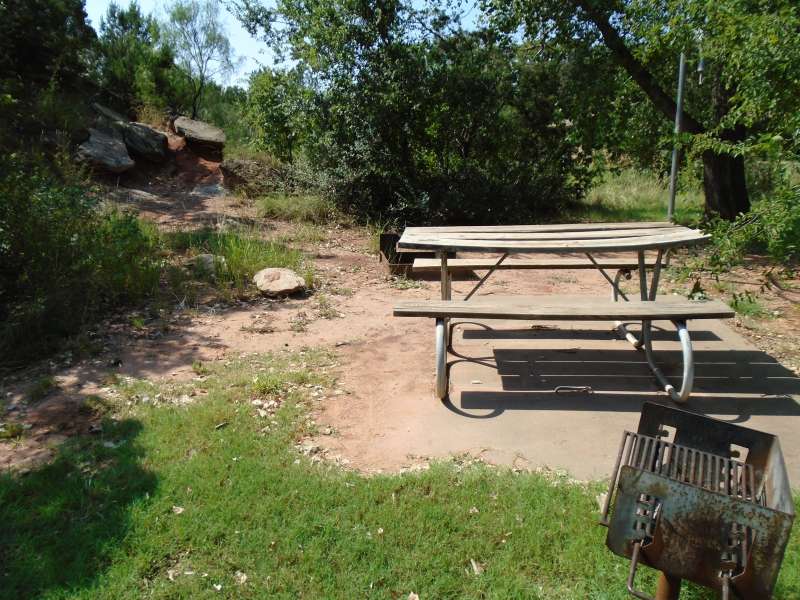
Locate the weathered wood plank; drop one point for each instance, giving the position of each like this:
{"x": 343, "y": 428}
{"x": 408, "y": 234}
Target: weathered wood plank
{"x": 566, "y": 308}
{"x": 563, "y": 236}
{"x": 435, "y": 242}
{"x": 433, "y": 265}
{"x": 542, "y": 228}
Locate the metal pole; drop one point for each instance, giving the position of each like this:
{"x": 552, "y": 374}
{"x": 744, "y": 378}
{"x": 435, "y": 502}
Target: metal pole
{"x": 673, "y": 175}
{"x": 669, "y": 587}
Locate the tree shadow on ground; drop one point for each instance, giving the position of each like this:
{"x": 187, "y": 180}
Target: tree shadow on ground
{"x": 62, "y": 523}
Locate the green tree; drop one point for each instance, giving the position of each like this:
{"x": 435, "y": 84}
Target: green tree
{"x": 279, "y": 109}
{"x": 135, "y": 66}
{"x": 202, "y": 48}
{"x": 415, "y": 119}
{"x": 44, "y": 46}
{"x": 752, "y": 66}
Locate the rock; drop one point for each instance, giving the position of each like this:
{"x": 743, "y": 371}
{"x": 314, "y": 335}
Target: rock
{"x": 278, "y": 282}
{"x": 208, "y": 263}
{"x": 140, "y": 139}
{"x": 105, "y": 150}
{"x": 198, "y": 133}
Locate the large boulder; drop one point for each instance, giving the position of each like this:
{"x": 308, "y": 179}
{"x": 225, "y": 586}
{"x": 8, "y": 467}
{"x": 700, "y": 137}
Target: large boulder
{"x": 200, "y": 134}
{"x": 105, "y": 150}
{"x": 140, "y": 139}
{"x": 278, "y": 282}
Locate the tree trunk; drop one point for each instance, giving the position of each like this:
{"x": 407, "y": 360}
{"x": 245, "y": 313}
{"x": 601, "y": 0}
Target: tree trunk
{"x": 723, "y": 175}
{"x": 724, "y": 185}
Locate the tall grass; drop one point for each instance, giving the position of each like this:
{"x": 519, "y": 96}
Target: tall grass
{"x": 634, "y": 195}
{"x": 244, "y": 253}
{"x": 303, "y": 208}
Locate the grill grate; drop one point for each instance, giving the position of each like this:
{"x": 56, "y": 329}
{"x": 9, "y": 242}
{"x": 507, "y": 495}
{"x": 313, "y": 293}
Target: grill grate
{"x": 690, "y": 466}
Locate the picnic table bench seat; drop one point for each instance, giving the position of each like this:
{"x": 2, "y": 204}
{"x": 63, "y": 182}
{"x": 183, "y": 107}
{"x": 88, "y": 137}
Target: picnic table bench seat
{"x": 570, "y": 308}
{"x": 434, "y": 265}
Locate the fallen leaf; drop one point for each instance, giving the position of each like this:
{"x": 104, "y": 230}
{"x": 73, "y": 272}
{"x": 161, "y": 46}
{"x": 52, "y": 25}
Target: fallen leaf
{"x": 477, "y": 568}
{"x": 177, "y": 509}
{"x": 240, "y": 577}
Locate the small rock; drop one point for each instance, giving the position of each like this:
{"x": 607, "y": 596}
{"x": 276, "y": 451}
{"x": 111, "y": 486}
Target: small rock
{"x": 278, "y": 282}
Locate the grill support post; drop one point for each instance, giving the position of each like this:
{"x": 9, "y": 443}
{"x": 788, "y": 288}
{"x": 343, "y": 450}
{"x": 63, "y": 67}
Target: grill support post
{"x": 669, "y": 588}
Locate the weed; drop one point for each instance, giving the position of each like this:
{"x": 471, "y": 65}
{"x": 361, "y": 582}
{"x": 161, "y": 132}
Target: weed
{"x": 746, "y": 304}
{"x": 199, "y": 368}
{"x": 94, "y": 405}
{"x": 299, "y": 323}
{"x": 303, "y": 233}
{"x": 325, "y": 309}
{"x": 10, "y": 430}
{"x": 401, "y": 282}
{"x": 300, "y": 208}
{"x": 41, "y": 388}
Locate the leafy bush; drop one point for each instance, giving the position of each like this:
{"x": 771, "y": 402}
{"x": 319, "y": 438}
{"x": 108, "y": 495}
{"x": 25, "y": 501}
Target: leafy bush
{"x": 772, "y": 227}
{"x": 63, "y": 258}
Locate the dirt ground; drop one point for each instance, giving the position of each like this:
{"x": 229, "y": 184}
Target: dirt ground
{"x": 382, "y": 415}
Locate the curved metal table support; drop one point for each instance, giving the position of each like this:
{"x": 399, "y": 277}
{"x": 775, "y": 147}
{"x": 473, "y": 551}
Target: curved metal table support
{"x": 621, "y": 327}
{"x": 688, "y": 361}
{"x": 442, "y": 383}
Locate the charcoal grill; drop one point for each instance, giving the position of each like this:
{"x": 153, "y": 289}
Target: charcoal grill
{"x": 699, "y": 499}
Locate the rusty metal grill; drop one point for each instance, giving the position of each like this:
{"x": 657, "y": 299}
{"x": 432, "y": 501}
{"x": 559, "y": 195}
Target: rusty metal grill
{"x": 702, "y": 500}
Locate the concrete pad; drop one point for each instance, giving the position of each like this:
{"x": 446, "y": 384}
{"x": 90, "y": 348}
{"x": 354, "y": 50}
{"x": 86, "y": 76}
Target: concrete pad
{"x": 503, "y": 405}
{"x": 506, "y": 377}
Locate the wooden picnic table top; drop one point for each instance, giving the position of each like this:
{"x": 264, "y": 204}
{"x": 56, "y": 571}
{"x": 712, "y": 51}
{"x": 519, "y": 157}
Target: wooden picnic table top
{"x": 568, "y": 237}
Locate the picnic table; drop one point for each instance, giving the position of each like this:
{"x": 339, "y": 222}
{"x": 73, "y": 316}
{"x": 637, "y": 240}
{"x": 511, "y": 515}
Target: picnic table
{"x": 587, "y": 239}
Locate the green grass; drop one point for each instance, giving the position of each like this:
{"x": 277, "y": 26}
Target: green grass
{"x": 245, "y": 253}
{"x": 633, "y": 195}
{"x": 303, "y": 208}
{"x": 173, "y": 499}
{"x": 303, "y": 233}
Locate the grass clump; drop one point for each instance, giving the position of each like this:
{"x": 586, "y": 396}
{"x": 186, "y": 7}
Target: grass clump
{"x": 179, "y": 500}
{"x": 41, "y": 388}
{"x": 747, "y": 304}
{"x": 301, "y": 208}
{"x": 241, "y": 255}
{"x": 636, "y": 195}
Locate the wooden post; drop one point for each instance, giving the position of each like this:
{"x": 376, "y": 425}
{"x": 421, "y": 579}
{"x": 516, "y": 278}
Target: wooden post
{"x": 669, "y": 588}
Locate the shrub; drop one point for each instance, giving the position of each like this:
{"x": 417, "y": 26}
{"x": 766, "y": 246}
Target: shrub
{"x": 771, "y": 227}
{"x": 63, "y": 257}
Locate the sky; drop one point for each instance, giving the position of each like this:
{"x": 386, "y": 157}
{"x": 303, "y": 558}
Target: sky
{"x": 253, "y": 53}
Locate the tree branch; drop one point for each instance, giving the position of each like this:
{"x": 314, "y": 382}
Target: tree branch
{"x": 638, "y": 72}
